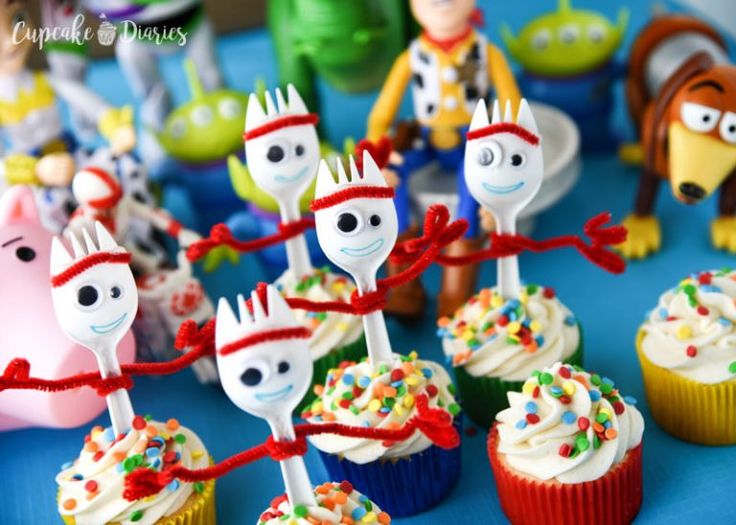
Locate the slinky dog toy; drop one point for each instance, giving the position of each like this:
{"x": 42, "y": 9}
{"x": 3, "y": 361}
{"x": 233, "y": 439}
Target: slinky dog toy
{"x": 682, "y": 97}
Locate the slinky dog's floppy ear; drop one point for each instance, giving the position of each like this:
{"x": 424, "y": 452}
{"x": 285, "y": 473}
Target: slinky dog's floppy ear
{"x": 699, "y": 63}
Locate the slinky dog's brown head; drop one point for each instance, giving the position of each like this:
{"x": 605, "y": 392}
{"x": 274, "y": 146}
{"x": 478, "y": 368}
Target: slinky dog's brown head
{"x": 701, "y": 134}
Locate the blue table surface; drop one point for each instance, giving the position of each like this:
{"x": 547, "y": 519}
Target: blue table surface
{"x": 682, "y": 481}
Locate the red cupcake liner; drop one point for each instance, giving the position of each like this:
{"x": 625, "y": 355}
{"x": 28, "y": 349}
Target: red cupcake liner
{"x": 610, "y": 500}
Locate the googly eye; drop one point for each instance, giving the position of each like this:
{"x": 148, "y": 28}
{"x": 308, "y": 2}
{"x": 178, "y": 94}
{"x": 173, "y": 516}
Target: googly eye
{"x": 541, "y": 40}
{"x": 89, "y": 297}
{"x": 25, "y": 254}
{"x": 518, "y": 160}
{"x": 230, "y": 108}
{"x": 178, "y": 128}
{"x": 597, "y": 33}
{"x": 283, "y": 367}
{"x": 728, "y": 127}
{"x": 299, "y": 150}
{"x": 201, "y": 116}
{"x": 256, "y": 373}
{"x": 276, "y": 153}
{"x": 569, "y": 34}
{"x": 485, "y": 156}
{"x": 374, "y": 221}
{"x": 699, "y": 118}
{"x": 348, "y": 223}
{"x": 116, "y": 292}
{"x": 489, "y": 154}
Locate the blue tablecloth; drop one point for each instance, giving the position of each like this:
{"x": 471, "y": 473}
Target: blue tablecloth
{"x": 683, "y": 482}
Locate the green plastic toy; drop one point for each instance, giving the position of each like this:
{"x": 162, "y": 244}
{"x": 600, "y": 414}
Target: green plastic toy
{"x": 207, "y": 128}
{"x": 566, "y": 42}
{"x": 351, "y": 44}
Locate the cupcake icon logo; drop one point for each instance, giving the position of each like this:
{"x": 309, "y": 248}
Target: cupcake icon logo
{"x": 107, "y": 32}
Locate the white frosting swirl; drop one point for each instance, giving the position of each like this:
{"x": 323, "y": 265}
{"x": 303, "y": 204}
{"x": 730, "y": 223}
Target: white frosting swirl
{"x": 330, "y": 330}
{"x": 335, "y": 501}
{"x": 567, "y": 425}
{"x": 691, "y": 332}
{"x": 493, "y": 337}
{"x": 383, "y": 398}
{"x": 101, "y": 466}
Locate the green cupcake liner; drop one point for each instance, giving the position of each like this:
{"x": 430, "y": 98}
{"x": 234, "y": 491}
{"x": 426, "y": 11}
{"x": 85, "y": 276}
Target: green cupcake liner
{"x": 483, "y": 397}
{"x": 352, "y": 352}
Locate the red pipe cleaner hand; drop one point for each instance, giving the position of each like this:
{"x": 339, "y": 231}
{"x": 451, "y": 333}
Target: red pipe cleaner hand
{"x": 220, "y": 235}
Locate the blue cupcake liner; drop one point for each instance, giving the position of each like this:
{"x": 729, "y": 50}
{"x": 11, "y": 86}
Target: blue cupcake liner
{"x": 406, "y": 486}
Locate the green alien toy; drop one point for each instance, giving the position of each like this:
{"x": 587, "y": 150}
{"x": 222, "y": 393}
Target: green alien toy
{"x": 568, "y": 61}
{"x": 351, "y": 44}
{"x": 566, "y": 42}
{"x": 197, "y": 137}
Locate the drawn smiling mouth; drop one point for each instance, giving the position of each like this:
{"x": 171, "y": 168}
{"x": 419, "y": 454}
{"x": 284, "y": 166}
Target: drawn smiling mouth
{"x": 283, "y": 179}
{"x": 271, "y": 397}
{"x": 365, "y": 250}
{"x": 503, "y": 190}
{"x": 107, "y": 328}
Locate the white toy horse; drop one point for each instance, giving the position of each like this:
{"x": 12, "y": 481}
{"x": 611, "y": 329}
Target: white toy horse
{"x": 266, "y": 368}
{"x": 282, "y": 148}
{"x": 95, "y": 300}
{"x": 504, "y": 170}
{"x": 357, "y": 228}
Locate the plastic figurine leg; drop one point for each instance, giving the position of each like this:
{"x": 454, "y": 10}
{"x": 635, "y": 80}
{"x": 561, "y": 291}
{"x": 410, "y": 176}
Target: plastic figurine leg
{"x": 459, "y": 283}
{"x": 407, "y": 302}
{"x": 645, "y": 236}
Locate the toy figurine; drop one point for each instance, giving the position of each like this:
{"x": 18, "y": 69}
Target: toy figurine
{"x": 681, "y": 92}
{"x": 38, "y": 150}
{"x": 29, "y": 325}
{"x": 350, "y": 45}
{"x": 95, "y": 300}
{"x": 150, "y": 30}
{"x": 197, "y": 137}
{"x": 568, "y": 61}
{"x": 450, "y": 66}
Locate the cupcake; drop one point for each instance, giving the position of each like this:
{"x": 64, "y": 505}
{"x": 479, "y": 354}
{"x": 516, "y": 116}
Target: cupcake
{"x": 495, "y": 344}
{"x": 404, "y": 478}
{"x": 687, "y": 351}
{"x": 568, "y": 450}
{"x": 91, "y": 487}
{"x": 335, "y": 337}
{"x": 337, "y": 503}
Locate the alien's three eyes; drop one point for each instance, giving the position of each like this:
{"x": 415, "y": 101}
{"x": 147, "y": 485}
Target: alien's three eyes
{"x": 257, "y": 373}
{"x": 282, "y": 151}
{"x": 352, "y": 222}
{"x": 703, "y": 119}
{"x": 90, "y": 296}
{"x": 491, "y": 155}
{"x": 568, "y": 35}
{"x": 203, "y": 115}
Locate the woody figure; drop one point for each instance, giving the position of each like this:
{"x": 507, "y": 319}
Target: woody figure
{"x": 450, "y": 66}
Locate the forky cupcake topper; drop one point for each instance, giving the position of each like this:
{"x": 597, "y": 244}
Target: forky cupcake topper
{"x": 266, "y": 368}
{"x": 95, "y": 300}
{"x": 282, "y": 148}
{"x": 504, "y": 171}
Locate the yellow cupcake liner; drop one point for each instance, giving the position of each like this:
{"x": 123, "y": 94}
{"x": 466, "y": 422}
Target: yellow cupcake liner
{"x": 198, "y": 509}
{"x": 691, "y": 411}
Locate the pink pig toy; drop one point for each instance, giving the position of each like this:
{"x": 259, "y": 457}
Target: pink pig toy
{"x": 29, "y": 326}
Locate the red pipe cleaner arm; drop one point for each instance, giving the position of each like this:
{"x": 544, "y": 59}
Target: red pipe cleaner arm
{"x": 220, "y": 235}
{"x": 504, "y": 245}
{"x": 434, "y": 423}
{"x": 17, "y": 377}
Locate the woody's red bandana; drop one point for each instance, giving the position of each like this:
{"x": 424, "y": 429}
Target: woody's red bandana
{"x": 84, "y": 264}
{"x": 355, "y": 192}
{"x": 310, "y": 119}
{"x": 278, "y": 334}
{"x": 505, "y": 127}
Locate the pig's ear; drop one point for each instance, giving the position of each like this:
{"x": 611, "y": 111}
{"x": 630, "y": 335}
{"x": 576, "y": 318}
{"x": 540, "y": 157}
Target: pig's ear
{"x": 18, "y": 204}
